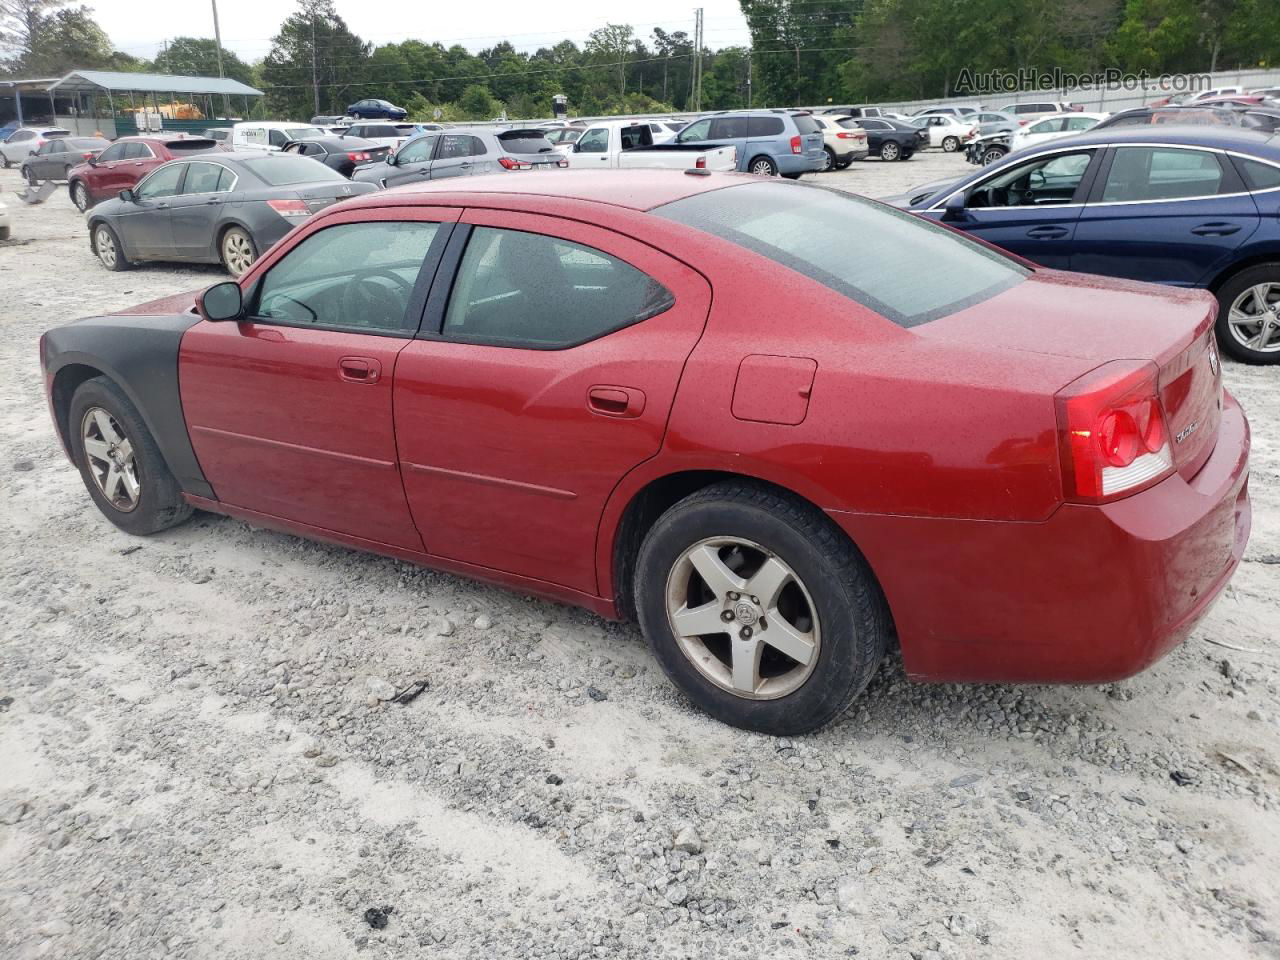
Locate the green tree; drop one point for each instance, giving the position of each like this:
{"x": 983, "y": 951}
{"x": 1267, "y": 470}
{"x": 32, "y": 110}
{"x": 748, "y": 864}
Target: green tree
{"x": 316, "y": 63}
{"x": 477, "y": 103}
{"x": 198, "y": 56}
{"x": 610, "y": 45}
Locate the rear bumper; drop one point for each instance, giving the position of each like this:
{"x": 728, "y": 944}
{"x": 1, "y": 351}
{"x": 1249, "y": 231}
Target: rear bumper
{"x": 798, "y": 162}
{"x": 1091, "y": 595}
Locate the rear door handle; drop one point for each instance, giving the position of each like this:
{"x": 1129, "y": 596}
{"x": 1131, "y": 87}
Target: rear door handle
{"x": 1047, "y": 233}
{"x": 611, "y": 401}
{"x": 1215, "y": 229}
{"x": 359, "y": 369}
{"x": 214, "y": 201}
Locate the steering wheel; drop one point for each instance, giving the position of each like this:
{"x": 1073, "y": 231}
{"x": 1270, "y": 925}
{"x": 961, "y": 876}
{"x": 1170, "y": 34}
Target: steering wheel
{"x": 370, "y": 295}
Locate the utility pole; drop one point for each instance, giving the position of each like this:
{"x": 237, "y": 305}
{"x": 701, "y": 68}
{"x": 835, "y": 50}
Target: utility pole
{"x": 697, "y": 63}
{"x": 315, "y": 81}
{"x": 748, "y": 79}
{"x": 217, "y": 39}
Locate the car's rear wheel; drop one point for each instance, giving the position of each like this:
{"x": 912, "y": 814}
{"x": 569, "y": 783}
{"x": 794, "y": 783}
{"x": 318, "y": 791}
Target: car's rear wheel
{"x": 844, "y": 164}
{"x": 5, "y": 161}
{"x": 759, "y": 608}
{"x": 890, "y": 151}
{"x": 238, "y": 251}
{"x": 106, "y": 244}
{"x": 829, "y": 161}
{"x": 28, "y": 175}
{"x": 1249, "y": 314}
{"x": 763, "y": 167}
{"x": 950, "y": 144}
{"x": 80, "y": 196}
{"x": 119, "y": 461}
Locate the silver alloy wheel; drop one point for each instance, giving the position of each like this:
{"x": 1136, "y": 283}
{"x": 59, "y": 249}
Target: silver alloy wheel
{"x": 762, "y": 168}
{"x": 743, "y": 618}
{"x": 1254, "y": 319}
{"x": 109, "y": 454}
{"x": 827, "y": 162}
{"x": 80, "y": 197}
{"x": 889, "y": 151}
{"x": 106, "y": 246}
{"x": 991, "y": 156}
{"x": 950, "y": 144}
{"x": 237, "y": 252}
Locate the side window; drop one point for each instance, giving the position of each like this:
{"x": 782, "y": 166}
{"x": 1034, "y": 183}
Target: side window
{"x": 278, "y": 138}
{"x": 527, "y": 290}
{"x": 1048, "y": 126}
{"x": 205, "y": 178}
{"x": 1041, "y": 182}
{"x": 416, "y": 151}
{"x": 764, "y": 127}
{"x": 355, "y": 276}
{"x": 20, "y": 136}
{"x": 163, "y": 183}
{"x": 453, "y": 146}
{"x": 698, "y": 130}
{"x": 595, "y": 140}
{"x": 477, "y": 147}
{"x": 728, "y": 128}
{"x": 138, "y": 151}
{"x": 112, "y": 153}
{"x": 1080, "y": 123}
{"x": 1155, "y": 173}
{"x": 1259, "y": 176}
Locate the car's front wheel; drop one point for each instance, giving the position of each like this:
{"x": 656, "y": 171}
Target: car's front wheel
{"x": 1249, "y": 314}
{"x": 119, "y": 461}
{"x": 991, "y": 155}
{"x": 890, "y": 151}
{"x": 759, "y": 608}
{"x": 238, "y": 251}
{"x": 106, "y": 244}
{"x": 80, "y": 196}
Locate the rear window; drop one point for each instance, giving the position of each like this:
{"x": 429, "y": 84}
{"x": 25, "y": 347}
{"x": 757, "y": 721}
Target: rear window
{"x": 806, "y": 123}
{"x": 1259, "y": 176}
{"x": 808, "y": 229}
{"x": 192, "y": 145}
{"x": 525, "y": 141}
{"x": 286, "y": 168}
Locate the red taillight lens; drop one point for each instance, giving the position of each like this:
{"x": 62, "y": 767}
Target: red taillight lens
{"x": 357, "y": 157}
{"x": 289, "y": 208}
{"x": 796, "y": 145}
{"x": 700, "y": 163}
{"x": 511, "y": 163}
{"x": 848, "y": 136}
{"x": 1023, "y": 123}
{"x": 1111, "y": 432}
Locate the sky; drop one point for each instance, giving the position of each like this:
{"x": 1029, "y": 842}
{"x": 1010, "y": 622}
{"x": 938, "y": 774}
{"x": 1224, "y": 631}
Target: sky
{"x": 139, "y": 27}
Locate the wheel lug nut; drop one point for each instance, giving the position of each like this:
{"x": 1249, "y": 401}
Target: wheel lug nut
{"x": 733, "y": 596}
{"x": 755, "y": 600}
{"x": 727, "y": 616}
{"x": 745, "y": 633}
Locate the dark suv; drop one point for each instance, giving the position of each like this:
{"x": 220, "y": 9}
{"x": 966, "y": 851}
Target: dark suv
{"x": 769, "y": 142}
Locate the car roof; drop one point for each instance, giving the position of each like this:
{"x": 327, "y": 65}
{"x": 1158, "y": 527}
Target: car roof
{"x": 343, "y": 143}
{"x": 274, "y": 124}
{"x": 636, "y": 189}
{"x": 1226, "y": 138}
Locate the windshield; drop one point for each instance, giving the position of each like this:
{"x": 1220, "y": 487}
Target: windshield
{"x": 914, "y": 271}
{"x": 286, "y": 168}
{"x": 303, "y": 133}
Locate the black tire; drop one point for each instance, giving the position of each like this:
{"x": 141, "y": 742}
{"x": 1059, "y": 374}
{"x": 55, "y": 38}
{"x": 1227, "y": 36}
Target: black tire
{"x": 110, "y": 255}
{"x": 5, "y": 161}
{"x": 844, "y": 164}
{"x": 66, "y": 173}
{"x": 890, "y": 151}
{"x": 850, "y": 609}
{"x": 950, "y": 144}
{"x": 1231, "y": 336}
{"x": 829, "y": 161}
{"x": 28, "y": 176}
{"x": 80, "y": 195}
{"x": 4, "y": 232}
{"x": 791, "y": 176}
{"x": 159, "y": 504}
{"x": 763, "y": 166}
{"x": 992, "y": 154}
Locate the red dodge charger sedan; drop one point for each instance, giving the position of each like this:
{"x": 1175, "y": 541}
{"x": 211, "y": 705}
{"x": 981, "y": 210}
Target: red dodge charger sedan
{"x": 779, "y": 425}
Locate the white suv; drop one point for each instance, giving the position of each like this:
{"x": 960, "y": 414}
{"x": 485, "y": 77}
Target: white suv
{"x": 25, "y": 141}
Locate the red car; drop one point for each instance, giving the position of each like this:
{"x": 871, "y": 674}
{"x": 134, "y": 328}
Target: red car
{"x": 705, "y": 401}
{"x": 127, "y": 161}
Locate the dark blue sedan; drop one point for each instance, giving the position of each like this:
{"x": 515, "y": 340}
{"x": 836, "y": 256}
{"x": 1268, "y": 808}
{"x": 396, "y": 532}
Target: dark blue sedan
{"x": 376, "y": 110}
{"x": 1184, "y": 206}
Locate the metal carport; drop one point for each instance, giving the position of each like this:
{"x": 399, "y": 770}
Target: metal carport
{"x": 82, "y": 85}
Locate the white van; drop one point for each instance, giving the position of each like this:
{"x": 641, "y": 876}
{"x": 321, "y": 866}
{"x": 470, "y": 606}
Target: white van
{"x": 271, "y": 134}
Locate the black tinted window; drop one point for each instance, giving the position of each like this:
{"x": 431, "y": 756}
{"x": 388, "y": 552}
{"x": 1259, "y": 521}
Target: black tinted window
{"x": 1259, "y": 176}
{"x": 527, "y": 290}
{"x": 525, "y": 141}
{"x": 357, "y": 276}
{"x": 113, "y": 152}
{"x": 728, "y": 128}
{"x": 764, "y": 127}
{"x": 802, "y": 228}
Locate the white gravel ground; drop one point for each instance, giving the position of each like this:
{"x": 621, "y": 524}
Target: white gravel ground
{"x": 197, "y": 759}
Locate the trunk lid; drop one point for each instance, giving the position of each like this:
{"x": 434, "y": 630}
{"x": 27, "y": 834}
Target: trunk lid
{"x": 317, "y": 196}
{"x": 1098, "y": 319}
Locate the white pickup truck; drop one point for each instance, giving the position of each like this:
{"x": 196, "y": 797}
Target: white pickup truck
{"x": 617, "y": 144}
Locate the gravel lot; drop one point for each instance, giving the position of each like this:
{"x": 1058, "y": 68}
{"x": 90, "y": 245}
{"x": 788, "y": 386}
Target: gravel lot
{"x": 198, "y": 757}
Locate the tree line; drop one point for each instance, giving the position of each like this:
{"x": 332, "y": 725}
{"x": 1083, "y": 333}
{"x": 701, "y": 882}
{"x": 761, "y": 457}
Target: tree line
{"x": 802, "y": 52}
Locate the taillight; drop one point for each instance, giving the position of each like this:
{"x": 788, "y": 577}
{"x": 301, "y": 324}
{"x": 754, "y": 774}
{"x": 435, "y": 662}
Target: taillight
{"x": 796, "y": 146}
{"x": 289, "y": 208}
{"x": 511, "y": 163}
{"x": 848, "y": 136}
{"x": 1112, "y": 437}
{"x": 562, "y": 162}
{"x": 358, "y": 157}
{"x": 89, "y": 155}
{"x": 1023, "y": 123}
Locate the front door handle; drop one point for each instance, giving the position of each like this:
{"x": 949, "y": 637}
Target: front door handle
{"x": 1215, "y": 229}
{"x": 609, "y": 401}
{"x": 359, "y": 369}
{"x": 1047, "y": 233}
